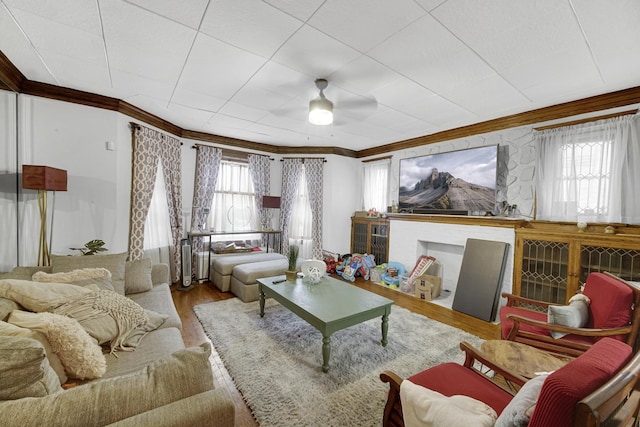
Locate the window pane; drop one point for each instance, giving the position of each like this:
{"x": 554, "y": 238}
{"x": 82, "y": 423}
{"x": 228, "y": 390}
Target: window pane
{"x": 233, "y": 207}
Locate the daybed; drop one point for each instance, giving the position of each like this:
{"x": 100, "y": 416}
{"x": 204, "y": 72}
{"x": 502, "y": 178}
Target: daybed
{"x": 159, "y": 383}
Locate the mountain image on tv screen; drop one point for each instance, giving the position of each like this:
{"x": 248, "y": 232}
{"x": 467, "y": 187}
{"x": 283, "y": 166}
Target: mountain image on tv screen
{"x": 462, "y": 180}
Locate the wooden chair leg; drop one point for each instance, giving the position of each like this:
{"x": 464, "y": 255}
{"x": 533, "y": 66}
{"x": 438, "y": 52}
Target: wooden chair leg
{"x": 393, "y": 409}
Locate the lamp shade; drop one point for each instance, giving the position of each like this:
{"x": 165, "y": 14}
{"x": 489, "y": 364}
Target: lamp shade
{"x": 271, "y": 202}
{"x": 44, "y": 178}
{"x": 320, "y": 111}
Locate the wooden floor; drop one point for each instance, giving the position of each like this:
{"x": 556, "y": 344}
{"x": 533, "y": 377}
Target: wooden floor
{"x": 193, "y": 333}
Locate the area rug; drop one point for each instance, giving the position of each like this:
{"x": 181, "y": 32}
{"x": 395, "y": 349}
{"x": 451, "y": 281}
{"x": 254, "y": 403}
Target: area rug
{"x": 275, "y": 361}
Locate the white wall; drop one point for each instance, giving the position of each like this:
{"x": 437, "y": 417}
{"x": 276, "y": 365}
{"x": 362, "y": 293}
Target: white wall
{"x": 72, "y": 137}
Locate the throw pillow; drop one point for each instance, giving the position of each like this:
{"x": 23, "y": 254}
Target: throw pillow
{"x": 113, "y": 262}
{"x": 82, "y": 277}
{"x": 40, "y": 297}
{"x": 137, "y": 276}
{"x": 108, "y": 317}
{"x": 9, "y": 330}
{"x": 81, "y": 357}
{"x": 425, "y": 407}
{"x": 25, "y": 370}
{"x": 575, "y": 315}
{"x": 517, "y": 412}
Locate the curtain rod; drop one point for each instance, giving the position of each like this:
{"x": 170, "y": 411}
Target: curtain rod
{"x": 590, "y": 119}
{"x": 135, "y": 126}
{"x": 303, "y": 159}
{"x": 376, "y": 159}
{"x": 227, "y": 152}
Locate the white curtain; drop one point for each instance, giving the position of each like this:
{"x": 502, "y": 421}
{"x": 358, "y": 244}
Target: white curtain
{"x": 234, "y": 205}
{"x": 300, "y": 228}
{"x": 376, "y": 184}
{"x": 589, "y": 172}
{"x": 157, "y": 226}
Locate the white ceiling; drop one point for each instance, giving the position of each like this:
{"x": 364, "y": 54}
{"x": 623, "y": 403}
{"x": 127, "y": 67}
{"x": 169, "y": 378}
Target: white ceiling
{"x": 396, "y": 69}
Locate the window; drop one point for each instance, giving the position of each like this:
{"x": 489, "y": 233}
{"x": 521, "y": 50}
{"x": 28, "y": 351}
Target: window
{"x": 157, "y": 226}
{"x": 300, "y": 225}
{"x": 233, "y": 207}
{"x": 587, "y": 172}
{"x": 376, "y": 180}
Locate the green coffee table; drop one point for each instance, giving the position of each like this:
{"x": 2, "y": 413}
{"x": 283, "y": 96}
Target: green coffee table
{"x": 328, "y": 306}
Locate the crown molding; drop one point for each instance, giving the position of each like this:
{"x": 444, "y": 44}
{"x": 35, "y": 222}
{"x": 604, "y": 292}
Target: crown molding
{"x": 12, "y": 79}
{"x": 591, "y": 104}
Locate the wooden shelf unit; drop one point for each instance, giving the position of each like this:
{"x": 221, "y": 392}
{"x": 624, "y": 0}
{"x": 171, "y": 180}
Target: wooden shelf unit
{"x": 370, "y": 236}
{"x": 552, "y": 261}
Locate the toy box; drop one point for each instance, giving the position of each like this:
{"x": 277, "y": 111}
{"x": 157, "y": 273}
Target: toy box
{"x": 427, "y": 287}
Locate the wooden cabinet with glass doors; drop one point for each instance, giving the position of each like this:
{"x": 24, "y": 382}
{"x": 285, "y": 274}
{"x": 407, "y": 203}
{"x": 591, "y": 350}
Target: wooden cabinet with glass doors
{"x": 370, "y": 236}
{"x": 552, "y": 262}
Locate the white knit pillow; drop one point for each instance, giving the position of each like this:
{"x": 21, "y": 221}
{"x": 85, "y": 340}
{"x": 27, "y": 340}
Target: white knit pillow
{"x": 80, "y": 355}
{"x": 79, "y": 277}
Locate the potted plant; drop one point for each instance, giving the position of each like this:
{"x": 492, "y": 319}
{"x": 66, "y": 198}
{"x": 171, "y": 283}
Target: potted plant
{"x": 291, "y": 272}
{"x": 92, "y": 247}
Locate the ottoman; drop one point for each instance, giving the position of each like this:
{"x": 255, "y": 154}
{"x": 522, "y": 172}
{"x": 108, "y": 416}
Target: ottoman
{"x": 244, "y": 277}
{"x": 222, "y": 267}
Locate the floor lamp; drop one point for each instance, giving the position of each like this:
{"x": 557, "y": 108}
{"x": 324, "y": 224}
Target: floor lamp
{"x": 43, "y": 179}
{"x": 270, "y": 202}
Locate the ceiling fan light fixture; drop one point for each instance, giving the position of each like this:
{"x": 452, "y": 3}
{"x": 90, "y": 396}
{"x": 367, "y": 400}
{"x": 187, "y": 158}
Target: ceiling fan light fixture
{"x": 320, "y": 111}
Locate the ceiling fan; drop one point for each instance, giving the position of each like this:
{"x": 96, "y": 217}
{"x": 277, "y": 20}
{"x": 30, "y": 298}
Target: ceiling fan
{"x": 320, "y": 108}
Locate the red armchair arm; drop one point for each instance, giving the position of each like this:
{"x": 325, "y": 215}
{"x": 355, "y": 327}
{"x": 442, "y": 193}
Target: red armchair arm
{"x": 517, "y": 301}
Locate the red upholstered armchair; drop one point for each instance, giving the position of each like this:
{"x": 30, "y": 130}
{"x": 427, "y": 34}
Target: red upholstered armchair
{"x": 597, "y": 387}
{"x": 611, "y": 312}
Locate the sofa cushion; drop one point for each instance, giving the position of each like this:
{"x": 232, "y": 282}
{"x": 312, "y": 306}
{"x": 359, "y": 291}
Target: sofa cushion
{"x": 155, "y": 345}
{"x": 79, "y": 353}
{"x": 452, "y": 378}
{"x": 24, "y": 272}
{"x": 115, "y": 263}
{"x": 9, "y": 330}
{"x": 81, "y": 277}
{"x": 611, "y": 302}
{"x": 137, "y": 276}
{"x": 25, "y": 370}
{"x": 159, "y": 300}
{"x": 178, "y": 376}
{"x": 564, "y": 388}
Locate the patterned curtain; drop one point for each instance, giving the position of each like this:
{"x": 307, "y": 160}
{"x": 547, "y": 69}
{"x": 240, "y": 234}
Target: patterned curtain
{"x": 291, "y": 170}
{"x": 207, "y": 168}
{"x": 259, "y": 169}
{"x": 149, "y": 147}
{"x": 313, "y": 173}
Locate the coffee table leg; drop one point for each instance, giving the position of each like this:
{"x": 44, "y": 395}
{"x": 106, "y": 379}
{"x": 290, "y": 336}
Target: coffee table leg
{"x": 326, "y": 352}
{"x": 262, "y": 296}
{"x": 385, "y": 329}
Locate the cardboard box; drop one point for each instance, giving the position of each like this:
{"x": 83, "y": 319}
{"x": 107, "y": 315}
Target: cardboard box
{"x": 428, "y": 287}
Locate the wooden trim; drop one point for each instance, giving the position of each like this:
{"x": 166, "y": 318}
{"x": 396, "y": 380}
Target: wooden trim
{"x": 10, "y": 76}
{"x": 223, "y": 140}
{"x": 376, "y": 159}
{"x": 487, "y": 221}
{"x": 592, "y": 104}
{"x": 148, "y": 118}
{"x": 13, "y": 79}
{"x": 590, "y": 119}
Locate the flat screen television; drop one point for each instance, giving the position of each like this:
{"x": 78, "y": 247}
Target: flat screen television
{"x": 455, "y": 181}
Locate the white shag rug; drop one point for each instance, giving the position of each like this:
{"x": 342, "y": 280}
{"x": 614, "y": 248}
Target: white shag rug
{"x": 275, "y": 361}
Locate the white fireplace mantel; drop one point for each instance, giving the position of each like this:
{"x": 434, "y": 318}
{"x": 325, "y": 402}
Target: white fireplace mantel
{"x": 409, "y": 239}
